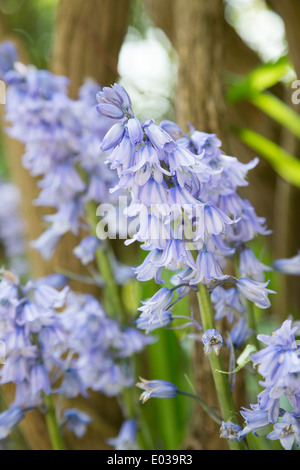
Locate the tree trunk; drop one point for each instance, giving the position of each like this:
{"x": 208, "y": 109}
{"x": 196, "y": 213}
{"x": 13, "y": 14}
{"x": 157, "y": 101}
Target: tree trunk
{"x": 289, "y": 10}
{"x": 88, "y": 38}
{"x": 200, "y": 46}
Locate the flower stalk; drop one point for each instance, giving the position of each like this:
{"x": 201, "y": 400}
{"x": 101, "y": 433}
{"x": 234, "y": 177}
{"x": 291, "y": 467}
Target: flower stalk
{"x": 216, "y": 362}
{"x": 52, "y": 424}
{"x": 112, "y": 299}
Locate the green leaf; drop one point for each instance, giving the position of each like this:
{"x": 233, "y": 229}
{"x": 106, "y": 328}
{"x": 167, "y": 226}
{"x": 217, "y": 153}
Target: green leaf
{"x": 284, "y": 163}
{"x": 278, "y": 110}
{"x": 242, "y": 360}
{"x": 261, "y": 78}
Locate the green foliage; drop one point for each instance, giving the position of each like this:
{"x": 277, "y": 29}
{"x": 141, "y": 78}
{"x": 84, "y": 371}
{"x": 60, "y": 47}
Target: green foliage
{"x": 258, "y": 80}
{"x": 284, "y": 163}
{"x": 278, "y": 111}
{"x": 252, "y": 88}
{"x": 166, "y": 359}
{"x": 32, "y": 21}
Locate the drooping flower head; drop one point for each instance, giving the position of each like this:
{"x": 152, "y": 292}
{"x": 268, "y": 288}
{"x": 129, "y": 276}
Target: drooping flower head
{"x": 184, "y": 195}
{"x": 61, "y": 138}
{"x": 156, "y": 389}
{"x": 279, "y": 365}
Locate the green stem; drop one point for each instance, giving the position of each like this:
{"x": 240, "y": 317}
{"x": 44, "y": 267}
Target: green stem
{"x": 53, "y": 428}
{"x": 216, "y": 362}
{"x": 252, "y": 325}
{"x": 209, "y": 410}
{"x": 112, "y": 295}
{"x": 112, "y": 299}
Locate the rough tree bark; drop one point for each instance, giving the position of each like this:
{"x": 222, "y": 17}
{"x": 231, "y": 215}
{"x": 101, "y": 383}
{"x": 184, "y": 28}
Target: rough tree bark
{"x": 289, "y": 10}
{"x": 88, "y": 37}
{"x": 200, "y": 46}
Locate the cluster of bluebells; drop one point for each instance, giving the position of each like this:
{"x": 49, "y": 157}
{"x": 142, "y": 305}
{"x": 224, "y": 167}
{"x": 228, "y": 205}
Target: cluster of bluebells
{"x": 34, "y": 339}
{"x": 59, "y": 342}
{"x": 191, "y": 219}
{"x": 102, "y": 348}
{"x": 12, "y": 228}
{"x": 278, "y": 403}
{"x": 61, "y": 139}
{"x": 61, "y": 142}
{"x": 279, "y": 365}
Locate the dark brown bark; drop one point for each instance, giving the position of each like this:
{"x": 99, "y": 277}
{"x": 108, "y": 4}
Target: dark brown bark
{"x": 289, "y": 10}
{"x": 88, "y": 38}
{"x": 200, "y": 96}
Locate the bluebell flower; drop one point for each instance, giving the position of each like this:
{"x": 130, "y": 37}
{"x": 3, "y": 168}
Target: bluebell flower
{"x": 102, "y": 347}
{"x": 149, "y": 269}
{"x": 113, "y": 137}
{"x": 256, "y": 292}
{"x": 255, "y": 419}
{"x": 77, "y": 421}
{"x": 288, "y": 265}
{"x": 56, "y": 280}
{"x": 87, "y": 248}
{"x": 110, "y": 111}
{"x": 12, "y": 228}
{"x": 208, "y": 268}
{"x": 227, "y": 303}
{"x": 47, "y": 242}
{"x": 8, "y": 57}
{"x": 287, "y": 431}
{"x": 240, "y": 332}
{"x": 251, "y": 267}
{"x": 39, "y": 380}
{"x": 47, "y": 296}
{"x": 212, "y": 341}
{"x": 230, "y": 431}
{"x": 280, "y": 356}
{"x": 279, "y": 365}
{"x": 72, "y": 384}
{"x": 154, "y": 322}
{"x": 184, "y": 194}
{"x": 211, "y": 221}
{"x": 135, "y": 131}
{"x": 9, "y": 419}
{"x": 157, "y": 304}
{"x": 126, "y": 439}
{"x": 156, "y": 389}
{"x": 116, "y": 96}
{"x": 60, "y": 136}
{"x": 36, "y": 342}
